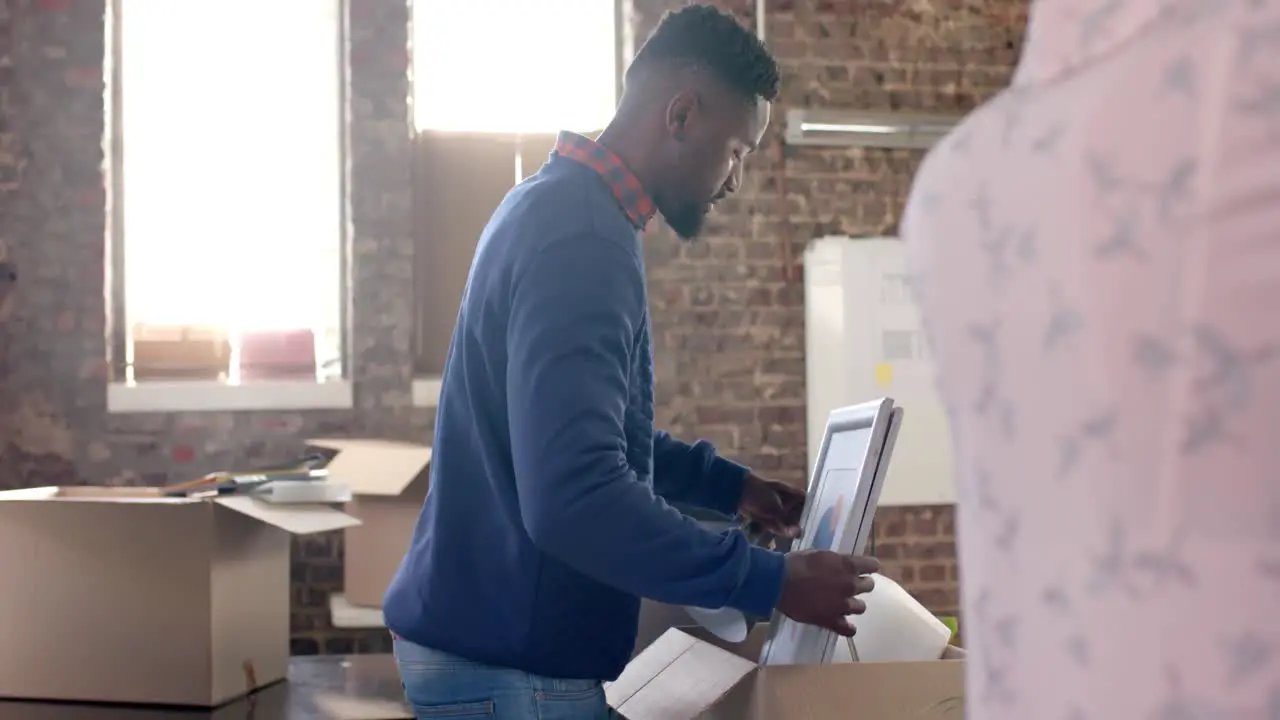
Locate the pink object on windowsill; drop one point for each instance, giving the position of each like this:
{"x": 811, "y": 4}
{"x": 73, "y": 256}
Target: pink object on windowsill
{"x": 277, "y": 354}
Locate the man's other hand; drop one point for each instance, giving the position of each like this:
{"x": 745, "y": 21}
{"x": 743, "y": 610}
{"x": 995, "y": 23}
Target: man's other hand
{"x": 774, "y": 506}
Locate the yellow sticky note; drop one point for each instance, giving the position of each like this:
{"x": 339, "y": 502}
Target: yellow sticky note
{"x": 884, "y": 374}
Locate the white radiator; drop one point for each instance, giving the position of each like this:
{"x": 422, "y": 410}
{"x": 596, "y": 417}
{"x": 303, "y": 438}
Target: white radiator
{"x": 864, "y": 340}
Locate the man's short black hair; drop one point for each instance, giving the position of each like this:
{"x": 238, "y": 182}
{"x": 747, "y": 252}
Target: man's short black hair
{"x": 704, "y": 36}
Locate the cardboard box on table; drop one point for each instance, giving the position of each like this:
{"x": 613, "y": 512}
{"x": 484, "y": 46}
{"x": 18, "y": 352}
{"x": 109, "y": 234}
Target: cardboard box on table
{"x": 688, "y": 674}
{"x": 122, "y": 595}
{"x": 388, "y": 481}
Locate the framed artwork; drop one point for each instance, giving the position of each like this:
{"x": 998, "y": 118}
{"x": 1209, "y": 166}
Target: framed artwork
{"x": 844, "y": 490}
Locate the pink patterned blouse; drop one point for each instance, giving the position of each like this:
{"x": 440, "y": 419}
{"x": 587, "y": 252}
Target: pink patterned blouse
{"x": 1097, "y": 256}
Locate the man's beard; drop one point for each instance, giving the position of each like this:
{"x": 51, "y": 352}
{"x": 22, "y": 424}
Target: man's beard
{"x": 687, "y": 220}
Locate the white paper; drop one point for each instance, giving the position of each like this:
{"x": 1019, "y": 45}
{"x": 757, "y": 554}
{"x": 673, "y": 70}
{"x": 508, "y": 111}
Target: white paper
{"x": 726, "y": 623}
{"x": 896, "y": 627}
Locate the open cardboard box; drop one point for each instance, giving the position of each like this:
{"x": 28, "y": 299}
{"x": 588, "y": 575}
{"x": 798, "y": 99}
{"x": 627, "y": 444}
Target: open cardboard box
{"x": 122, "y": 595}
{"x": 388, "y": 482}
{"x": 688, "y": 673}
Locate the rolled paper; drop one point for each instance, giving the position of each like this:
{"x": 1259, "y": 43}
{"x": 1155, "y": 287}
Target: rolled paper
{"x": 896, "y": 627}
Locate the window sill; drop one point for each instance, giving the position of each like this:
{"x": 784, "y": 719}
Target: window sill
{"x": 212, "y": 396}
{"x": 426, "y": 392}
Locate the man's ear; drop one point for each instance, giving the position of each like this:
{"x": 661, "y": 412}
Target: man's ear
{"x": 682, "y": 112}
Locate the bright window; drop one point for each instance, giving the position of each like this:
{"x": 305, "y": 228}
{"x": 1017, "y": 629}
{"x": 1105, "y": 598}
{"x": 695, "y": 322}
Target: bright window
{"x": 514, "y": 66}
{"x": 232, "y": 187}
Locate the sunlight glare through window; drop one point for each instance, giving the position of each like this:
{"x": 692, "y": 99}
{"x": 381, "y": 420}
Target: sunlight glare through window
{"x": 514, "y": 65}
{"x": 231, "y": 115}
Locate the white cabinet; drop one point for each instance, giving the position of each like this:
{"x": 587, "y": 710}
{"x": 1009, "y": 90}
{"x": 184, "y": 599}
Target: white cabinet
{"x": 864, "y": 340}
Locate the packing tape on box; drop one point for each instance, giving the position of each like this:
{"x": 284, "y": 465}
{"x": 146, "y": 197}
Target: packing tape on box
{"x": 896, "y": 627}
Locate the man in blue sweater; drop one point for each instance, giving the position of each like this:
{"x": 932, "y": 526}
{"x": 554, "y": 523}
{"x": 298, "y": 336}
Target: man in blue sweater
{"x": 547, "y": 519}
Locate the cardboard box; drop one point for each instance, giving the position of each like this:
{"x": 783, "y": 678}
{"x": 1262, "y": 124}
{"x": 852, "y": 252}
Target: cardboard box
{"x": 122, "y": 595}
{"x": 682, "y": 677}
{"x": 389, "y": 481}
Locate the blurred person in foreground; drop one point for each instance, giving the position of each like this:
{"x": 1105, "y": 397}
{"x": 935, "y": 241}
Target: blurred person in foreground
{"x": 1097, "y": 256}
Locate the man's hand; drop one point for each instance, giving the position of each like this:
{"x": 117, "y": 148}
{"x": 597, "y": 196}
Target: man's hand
{"x": 821, "y": 588}
{"x": 774, "y": 506}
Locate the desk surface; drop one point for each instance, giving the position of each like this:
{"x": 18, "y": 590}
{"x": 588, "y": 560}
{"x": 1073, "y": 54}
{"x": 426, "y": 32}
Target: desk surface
{"x": 325, "y": 687}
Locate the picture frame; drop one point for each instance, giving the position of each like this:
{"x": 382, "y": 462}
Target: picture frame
{"x": 844, "y": 490}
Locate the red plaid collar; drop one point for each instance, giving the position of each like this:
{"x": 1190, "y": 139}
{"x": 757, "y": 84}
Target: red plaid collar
{"x": 625, "y": 185}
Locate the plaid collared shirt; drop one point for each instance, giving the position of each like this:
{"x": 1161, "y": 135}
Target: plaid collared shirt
{"x": 625, "y": 185}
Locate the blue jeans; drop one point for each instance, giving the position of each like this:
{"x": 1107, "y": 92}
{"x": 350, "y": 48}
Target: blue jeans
{"x": 439, "y": 685}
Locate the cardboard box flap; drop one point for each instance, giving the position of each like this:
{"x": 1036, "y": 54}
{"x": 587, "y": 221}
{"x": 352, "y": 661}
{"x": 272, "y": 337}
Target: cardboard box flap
{"x": 931, "y": 690}
{"x": 684, "y": 687}
{"x": 295, "y": 519}
{"x": 375, "y": 467}
{"x": 644, "y": 667}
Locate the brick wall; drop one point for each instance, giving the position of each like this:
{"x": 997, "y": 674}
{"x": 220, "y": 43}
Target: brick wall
{"x": 729, "y": 313}
{"x": 728, "y": 322}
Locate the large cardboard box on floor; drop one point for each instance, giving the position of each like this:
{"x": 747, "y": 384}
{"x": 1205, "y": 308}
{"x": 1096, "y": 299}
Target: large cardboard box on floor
{"x": 688, "y": 674}
{"x": 388, "y": 482}
{"x": 123, "y": 595}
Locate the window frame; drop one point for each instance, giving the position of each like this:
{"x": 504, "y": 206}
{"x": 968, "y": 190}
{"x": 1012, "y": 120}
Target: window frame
{"x": 124, "y": 396}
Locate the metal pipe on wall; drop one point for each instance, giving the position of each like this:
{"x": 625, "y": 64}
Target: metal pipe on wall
{"x": 780, "y": 166}
{"x": 621, "y": 44}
